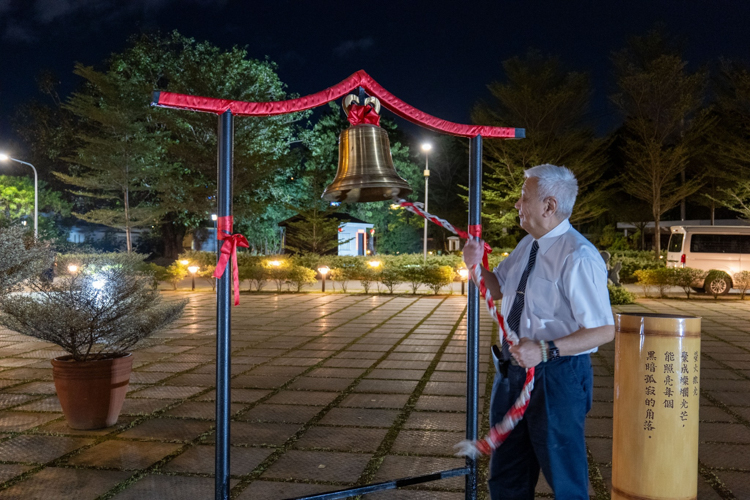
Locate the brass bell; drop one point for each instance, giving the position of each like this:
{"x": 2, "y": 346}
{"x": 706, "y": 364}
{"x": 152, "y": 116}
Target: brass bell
{"x": 365, "y": 172}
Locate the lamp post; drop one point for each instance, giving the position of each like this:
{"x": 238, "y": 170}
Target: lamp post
{"x": 323, "y": 271}
{"x": 464, "y": 273}
{"x": 426, "y": 147}
{"x": 193, "y": 270}
{"x": 4, "y": 157}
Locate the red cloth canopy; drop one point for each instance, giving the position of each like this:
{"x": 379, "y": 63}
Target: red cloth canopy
{"x": 358, "y": 79}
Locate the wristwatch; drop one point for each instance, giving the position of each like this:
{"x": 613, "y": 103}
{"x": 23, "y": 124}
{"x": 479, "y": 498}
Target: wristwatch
{"x": 553, "y": 350}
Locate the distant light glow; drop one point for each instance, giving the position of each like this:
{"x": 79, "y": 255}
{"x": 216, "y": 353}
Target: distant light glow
{"x": 335, "y": 203}
{"x": 426, "y": 147}
{"x": 374, "y": 263}
{"x": 214, "y": 217}
{"x": 72, "y": 268}
{"x": 275, "y": 263}
{"x": 4, "y": 157}
{"x": 184, "y": 262}
{"x": 99, "y": 284}
{"x": 193, "y": 269}
{"x": 464, "y": 273}
{"x": 323, "y": 270}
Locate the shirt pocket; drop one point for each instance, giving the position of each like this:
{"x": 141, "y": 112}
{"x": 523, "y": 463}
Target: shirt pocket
{"x": 543, "y": 298}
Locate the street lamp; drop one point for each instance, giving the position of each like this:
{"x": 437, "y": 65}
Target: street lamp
{"x": 5, "y": 157}
{"x": 193, "y": 270}
{"x": 464, "y": 273}
{"x": 323, "y": 270}
{"x": 426, "y": 148}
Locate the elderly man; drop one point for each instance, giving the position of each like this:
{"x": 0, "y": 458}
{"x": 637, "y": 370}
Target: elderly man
{"x": 555, "y": 284}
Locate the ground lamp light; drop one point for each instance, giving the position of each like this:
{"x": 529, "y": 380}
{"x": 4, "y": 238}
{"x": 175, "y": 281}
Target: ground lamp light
{"x": 5, "y": 157}
{"x": 374, "y": 264}
{"x": 365, "y": 174}
{"x": 193, "y": 270}
{"x": 184, "y": 262}
{"x": 426, "y": 147}
{"x": 464, "y": 273}
{"x": 72, "y": 269}
{"x": 275, "y": 263}
{"x": 323, "y": 270}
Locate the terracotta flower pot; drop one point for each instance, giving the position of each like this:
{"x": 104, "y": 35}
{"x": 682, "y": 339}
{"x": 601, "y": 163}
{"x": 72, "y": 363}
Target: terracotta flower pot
{"x": 91, "y": 392}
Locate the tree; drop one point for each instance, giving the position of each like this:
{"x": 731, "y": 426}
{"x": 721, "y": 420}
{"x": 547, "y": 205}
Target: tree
{"x": 551, "y": 103}
{"x": 661, "y": 102}
{"x": 173, "y": 153}
{"x": 448, "y": 163}
{"x": 730, "y": 138}
{"x": 313, "y": 230}
{"x": 17, "y": 198}
{"x": 187, "y": 186}
{"x": 47, "y": 131}
{"x": 120, "y": 152}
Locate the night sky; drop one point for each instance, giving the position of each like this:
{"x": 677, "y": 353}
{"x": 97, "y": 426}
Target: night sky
{"x": 438, "y": 56}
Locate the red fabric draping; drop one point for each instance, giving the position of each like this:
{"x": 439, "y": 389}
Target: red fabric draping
{"x": 358, "y": 79}
{"x": 229, "y": 250}
{"x": 362, "y": 114}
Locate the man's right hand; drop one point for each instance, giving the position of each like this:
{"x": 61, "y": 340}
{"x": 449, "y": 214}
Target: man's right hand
{"x": 473, "y": 252}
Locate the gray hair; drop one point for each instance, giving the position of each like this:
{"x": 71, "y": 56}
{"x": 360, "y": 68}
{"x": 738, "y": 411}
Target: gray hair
{"x": 556, "y": 182}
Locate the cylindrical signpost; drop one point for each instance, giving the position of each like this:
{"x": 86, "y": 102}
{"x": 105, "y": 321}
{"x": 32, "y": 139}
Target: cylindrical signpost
{"x": 657, "y": 392}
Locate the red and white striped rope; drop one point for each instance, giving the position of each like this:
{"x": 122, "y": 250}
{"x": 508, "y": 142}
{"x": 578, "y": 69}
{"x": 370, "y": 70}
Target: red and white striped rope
{"x": 499, "y": 432}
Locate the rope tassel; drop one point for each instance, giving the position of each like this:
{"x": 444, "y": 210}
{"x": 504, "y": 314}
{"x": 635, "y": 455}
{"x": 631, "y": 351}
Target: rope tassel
{"x": 499, "y": 432}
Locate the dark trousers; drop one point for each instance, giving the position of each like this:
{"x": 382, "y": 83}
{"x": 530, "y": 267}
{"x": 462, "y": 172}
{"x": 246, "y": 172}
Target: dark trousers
{"x": 551, "y": 434}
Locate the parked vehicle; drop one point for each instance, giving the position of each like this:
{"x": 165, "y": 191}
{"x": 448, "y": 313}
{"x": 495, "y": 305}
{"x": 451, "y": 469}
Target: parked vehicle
{"x": 721, "y": 248}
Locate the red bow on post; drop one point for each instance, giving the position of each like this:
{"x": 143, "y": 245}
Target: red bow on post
{"x": 229, "y": 249}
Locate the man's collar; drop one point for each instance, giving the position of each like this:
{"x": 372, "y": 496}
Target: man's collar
{"x": 548, "y": 240}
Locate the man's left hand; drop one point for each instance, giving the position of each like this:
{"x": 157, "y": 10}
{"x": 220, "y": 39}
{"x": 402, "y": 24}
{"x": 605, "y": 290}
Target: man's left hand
{"x": 527, "y": 353}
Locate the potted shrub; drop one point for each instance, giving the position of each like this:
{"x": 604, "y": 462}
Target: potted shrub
{"x": 97, "y": 314}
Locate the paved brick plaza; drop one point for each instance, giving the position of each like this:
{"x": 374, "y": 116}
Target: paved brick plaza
{"x": 328, "y": 391}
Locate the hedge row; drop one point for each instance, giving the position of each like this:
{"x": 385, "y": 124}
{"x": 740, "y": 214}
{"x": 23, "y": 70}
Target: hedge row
{"x": 294, "y": 273}
{"x": 634, "y": 260}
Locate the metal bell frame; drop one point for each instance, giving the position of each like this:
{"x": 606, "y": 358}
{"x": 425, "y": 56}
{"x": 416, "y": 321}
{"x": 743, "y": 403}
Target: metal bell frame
{"x": 226, "y": 110}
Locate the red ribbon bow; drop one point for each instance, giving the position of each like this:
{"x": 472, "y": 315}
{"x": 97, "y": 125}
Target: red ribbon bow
{"x": 229, "y": 249}
{"x": 362, "y": 114}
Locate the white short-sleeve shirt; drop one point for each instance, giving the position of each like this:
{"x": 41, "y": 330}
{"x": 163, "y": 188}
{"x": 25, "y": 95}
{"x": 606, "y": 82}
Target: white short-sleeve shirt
{"x": 566, "y": 290}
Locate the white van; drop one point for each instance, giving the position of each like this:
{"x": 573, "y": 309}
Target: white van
{"x": 725, "y": 248}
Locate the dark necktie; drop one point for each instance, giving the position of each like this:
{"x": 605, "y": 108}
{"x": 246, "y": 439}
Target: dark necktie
{"x": 514, "y": 318}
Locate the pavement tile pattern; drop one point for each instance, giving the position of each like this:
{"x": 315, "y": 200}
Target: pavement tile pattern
{"x": 328, "y": 391}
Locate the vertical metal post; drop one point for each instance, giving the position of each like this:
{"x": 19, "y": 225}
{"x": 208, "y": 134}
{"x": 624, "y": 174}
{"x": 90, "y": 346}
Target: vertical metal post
{"x": 224, "y": 311}
{"x": 472, "y": 333}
